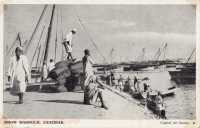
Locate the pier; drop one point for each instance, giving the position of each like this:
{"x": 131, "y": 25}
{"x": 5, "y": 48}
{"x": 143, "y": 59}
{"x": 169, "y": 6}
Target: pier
{"x": 69, "y": 105}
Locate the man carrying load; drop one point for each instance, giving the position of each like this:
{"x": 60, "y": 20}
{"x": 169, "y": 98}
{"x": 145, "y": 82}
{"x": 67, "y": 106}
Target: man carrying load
{"x": 68, "y": 44}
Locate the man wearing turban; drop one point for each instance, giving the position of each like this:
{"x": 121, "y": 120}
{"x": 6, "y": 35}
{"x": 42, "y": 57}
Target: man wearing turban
{"x": 18, "y": 73}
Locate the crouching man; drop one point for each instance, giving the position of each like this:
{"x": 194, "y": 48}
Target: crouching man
{"x": 93, "y": 91}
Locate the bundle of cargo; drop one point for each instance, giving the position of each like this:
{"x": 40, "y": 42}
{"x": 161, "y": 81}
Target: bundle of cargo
{"x": 63, "y": 63}
{"x": 66, "y": 74}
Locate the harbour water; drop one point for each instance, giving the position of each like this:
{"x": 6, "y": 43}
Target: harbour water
{"x": 180, "y": 106}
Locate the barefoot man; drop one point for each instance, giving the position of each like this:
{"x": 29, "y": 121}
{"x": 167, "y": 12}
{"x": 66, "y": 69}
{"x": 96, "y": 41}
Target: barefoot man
{"x": 68, "y": 44}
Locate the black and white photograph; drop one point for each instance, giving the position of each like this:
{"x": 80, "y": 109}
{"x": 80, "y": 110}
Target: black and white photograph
{"x": 99, "y": 61}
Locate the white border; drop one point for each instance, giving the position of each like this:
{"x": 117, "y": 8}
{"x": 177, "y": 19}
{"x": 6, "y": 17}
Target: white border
{"x": 112, "y": 123}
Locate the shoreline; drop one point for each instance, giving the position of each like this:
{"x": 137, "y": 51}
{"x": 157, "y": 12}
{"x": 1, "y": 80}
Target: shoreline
{"x": 69, "y": 105}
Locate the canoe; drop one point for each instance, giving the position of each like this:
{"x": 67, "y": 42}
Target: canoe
{"x": 136, "y": 95}
{"x": 170, "y": 91}
{"x": 152, "y": 94}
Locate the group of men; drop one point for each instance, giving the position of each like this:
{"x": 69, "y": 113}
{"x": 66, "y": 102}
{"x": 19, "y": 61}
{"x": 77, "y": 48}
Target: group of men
{"x": 67, "y": 42}
{"x": 45, "y": 70}
{"x": 134, "y": 86}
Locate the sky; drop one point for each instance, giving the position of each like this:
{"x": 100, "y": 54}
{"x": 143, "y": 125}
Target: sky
{"x": 126, "y": 29}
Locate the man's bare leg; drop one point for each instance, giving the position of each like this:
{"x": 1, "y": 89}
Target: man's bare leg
{"x": 100, "y": 95}
{"x": 70, "y": 54}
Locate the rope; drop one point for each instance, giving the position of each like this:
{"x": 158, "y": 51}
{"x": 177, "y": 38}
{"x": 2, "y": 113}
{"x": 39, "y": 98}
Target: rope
{"x": 37, "y": 46}
{"x": 191, "y": 55}
{"x": 29, "y": 43}
{"x": 24, "y": 45}
{"x": 19, "y": 40}
{"x": 89, "y": 35}
{"x": 162, "y": 51}
{"x": 56, "y": 36}
{"x": 38, "y": 56}
{"x": 11, "y": 46}
{"x": 43, "y": 51}
{"x": 62, "y": 33}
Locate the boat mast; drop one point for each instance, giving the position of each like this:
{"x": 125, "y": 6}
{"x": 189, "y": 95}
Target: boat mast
{"x": 19, "y": 40}
{"x": 190, "y": 55}
{"x": 24, "y": 45}
{"x": 11, "y": 46}
{"x": 49, "y": 36}
{"x": 140, "y": 55}
{"x": 37, "y": 45}
{"x": 29, "y": 43}
{"x": 38, "y": 56}
{"x": 111, "y": 57}
{"x": 56, "y": 36}
{"x": 164, "y": 51}
{"x": 158, "y": 54}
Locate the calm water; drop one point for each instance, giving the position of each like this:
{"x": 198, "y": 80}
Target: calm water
{"x": 180, "y": 106}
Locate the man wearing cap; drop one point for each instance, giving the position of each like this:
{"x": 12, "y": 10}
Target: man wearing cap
{"x": 68, "y": 44}
{"x": 87, "y": 67}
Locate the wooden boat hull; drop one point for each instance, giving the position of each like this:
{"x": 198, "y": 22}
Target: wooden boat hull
{"x": 127, "y": 69}
{"x": 184, "y": 76}
{"x": 152, "y": 94}
{"x": 136, "y": 95}
{"x": 168, "y": 92}
{"x": 36, "y": 72}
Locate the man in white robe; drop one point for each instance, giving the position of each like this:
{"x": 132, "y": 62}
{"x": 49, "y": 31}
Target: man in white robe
{"x": 68, "y": 44}
{"x": 44, "y": 72}
{"x": 51, "y": 65}
{"x": 18, "y": 74}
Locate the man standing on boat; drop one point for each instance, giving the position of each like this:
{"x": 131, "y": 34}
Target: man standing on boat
{"x": 51, "y": 65}
{"x": 44, "y": 72}
{"x": 68, "y": 44}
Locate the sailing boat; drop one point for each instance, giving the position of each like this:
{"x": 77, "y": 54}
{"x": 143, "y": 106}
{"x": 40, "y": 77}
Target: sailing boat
{"x": 140, "y": 64}
{"x": 161, "y": 64}
{"x": 185, "y": 74}
{"x": 108, "y": 67}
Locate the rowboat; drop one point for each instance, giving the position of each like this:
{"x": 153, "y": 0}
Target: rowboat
{"x": 35, "y": 72}
{"x": 170, "y": 91}
{"x": 152, "y": 94}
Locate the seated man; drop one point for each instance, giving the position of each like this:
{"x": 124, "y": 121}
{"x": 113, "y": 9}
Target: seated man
{"x": 92, "y": 92}
{"x": 130, "y": 84}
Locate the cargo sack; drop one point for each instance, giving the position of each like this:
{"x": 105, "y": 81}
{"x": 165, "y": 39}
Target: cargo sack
{"x": 57, "y": 89}
{"x": 63, "y": 63}
{"x": 62, "y": 77}
{"x": 72, "y": 82}
{"x": 76, "y": 68}
{"x": 54, "y": 74}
